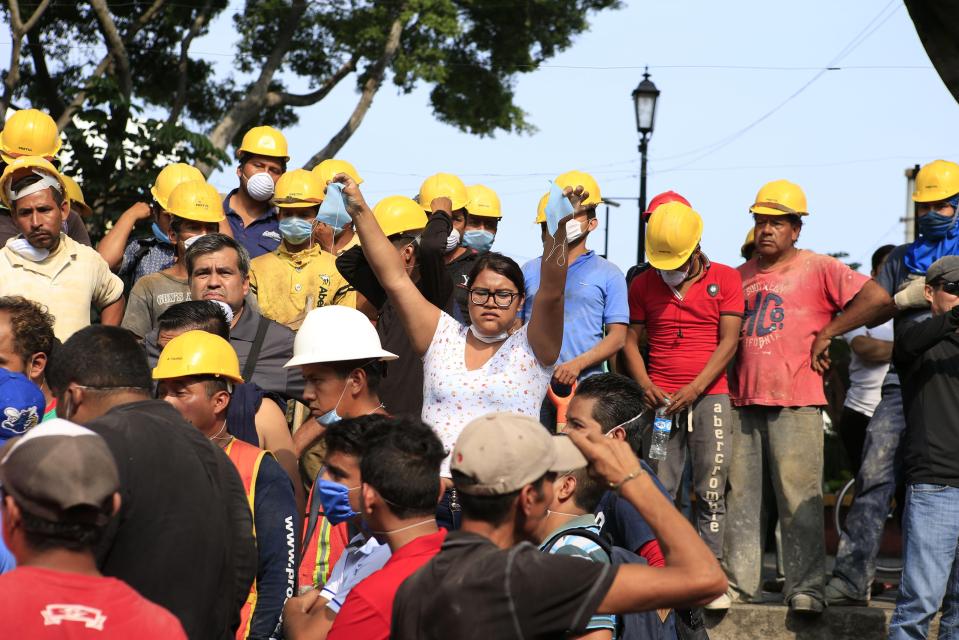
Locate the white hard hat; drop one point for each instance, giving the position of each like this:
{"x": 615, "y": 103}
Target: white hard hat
{"x": 336, "y": 334}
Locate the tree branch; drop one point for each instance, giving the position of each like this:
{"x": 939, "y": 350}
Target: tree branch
{"x": 48, "y": 87}
{"x": 179, "y": 101}
{"x": 241, "y": 112}
{"x": 18, "y": 29}
{"x": 280, "y": 98}
{"x": 373, "y": 82}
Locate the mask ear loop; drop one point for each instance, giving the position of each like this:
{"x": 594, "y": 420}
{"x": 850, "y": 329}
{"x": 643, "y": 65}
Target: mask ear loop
{"x": 562, "y": 248}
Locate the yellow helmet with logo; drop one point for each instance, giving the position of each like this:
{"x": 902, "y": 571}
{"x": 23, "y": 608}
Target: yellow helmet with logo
{"x": 443, "y": 185}
{"x": 196, "y": 200}
{"x": 23, "y": 166}
{"x": 264, "y": 141}
{"x": 672, "y": 235}
{"x": 75, "y": 194}
{"x": 581, "y": 179}
{"x": 780, "y": 198}
{"x": 541, "y": 209}
{"x": 298, "y": 188}
{"x": 327, "y": 169}
{"x": 936, "y": 181}
{"x": 29, "y": 132}
{"x": 398, "y": 214}
{"x": 169, "y": 177}
{"x": 198, "y": 353}
{"x": 482, "y": 201}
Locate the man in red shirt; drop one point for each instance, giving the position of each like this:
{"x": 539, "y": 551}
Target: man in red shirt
{"x": 399, "y": 493}
{"x": 691, "y": 310}
{"x": 60, "y": 489}
{"x": 793, "y": 297}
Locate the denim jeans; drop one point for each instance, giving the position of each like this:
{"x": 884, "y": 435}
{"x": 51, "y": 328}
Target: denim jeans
{"x": 791, "y": 441}
{"x": 710, "y": 448}
{"x": 875, "y": 488}
{"x": 931, "y": 529}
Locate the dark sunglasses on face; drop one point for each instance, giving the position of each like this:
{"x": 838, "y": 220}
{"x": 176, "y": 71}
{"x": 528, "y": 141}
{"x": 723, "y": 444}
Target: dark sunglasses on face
{"x": 952, "y": 288}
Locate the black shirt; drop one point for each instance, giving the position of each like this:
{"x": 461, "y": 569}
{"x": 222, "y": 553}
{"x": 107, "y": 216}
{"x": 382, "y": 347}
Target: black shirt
{"x": 183, "y": 537}
{"x": 401, "y": 391}
{"x": 926, "y": 354}
{"x": 474, "y": 590}
{"x": 459, "y": 271}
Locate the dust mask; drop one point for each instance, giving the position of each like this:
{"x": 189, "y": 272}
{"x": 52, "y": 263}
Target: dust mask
{"x": 452, "y": 240}
{"x": 260, "y": 186}
{"x": 673, "y": 277}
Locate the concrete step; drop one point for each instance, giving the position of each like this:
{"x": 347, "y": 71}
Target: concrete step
{"x": 776, "y": 622}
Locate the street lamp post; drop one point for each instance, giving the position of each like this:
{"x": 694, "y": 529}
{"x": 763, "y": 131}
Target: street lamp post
{"x": 644, "y": 102}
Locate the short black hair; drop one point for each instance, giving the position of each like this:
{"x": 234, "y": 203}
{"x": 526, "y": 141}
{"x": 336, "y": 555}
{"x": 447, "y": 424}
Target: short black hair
{"x": 203, "y": 315}
{"x": 880, "y": 254}
{"x": 100, "y": 357}
{"x": 503, "y": 265}
{"x": 618, "y": 399}
{"x": 403, "y": 465}
{"x": 26, "y": 181}
{"x": 45, "y": 535}
{"x": 795, "y": 220}
{"x": 213, "y": 242}
{"x": 492, "y": 509}
{"x": 31, "y": 326}
{"x": 247, "y": 156}
{"x": 375, "y": 371}
{"x": 355, "y": 436}
{"x": 589, "y": 490}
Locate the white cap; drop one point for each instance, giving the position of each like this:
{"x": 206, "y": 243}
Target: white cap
{"x": 336, "y": 334}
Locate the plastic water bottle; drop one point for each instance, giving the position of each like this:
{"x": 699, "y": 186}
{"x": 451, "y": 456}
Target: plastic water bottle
{"x": 662, "y": 425}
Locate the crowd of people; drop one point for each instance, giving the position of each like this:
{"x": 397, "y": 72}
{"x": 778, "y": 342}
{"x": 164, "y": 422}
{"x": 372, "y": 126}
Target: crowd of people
{"x": 280, "y": 412}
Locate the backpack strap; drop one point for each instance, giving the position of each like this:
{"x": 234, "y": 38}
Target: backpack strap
{"x": 582, "y": 532}
{"x": 254, "y": 355}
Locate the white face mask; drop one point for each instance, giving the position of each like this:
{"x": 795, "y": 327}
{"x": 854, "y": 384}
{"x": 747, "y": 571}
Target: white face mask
{"x": 488, "y": 339}
{"x": 452, "y": 240}
{"x": 574, "y": 230}
{"x": 673, "y": 277}
{"x": 260, "y": 186}
{"x": 24, "y": 249}
{"x": 189, "y": 241}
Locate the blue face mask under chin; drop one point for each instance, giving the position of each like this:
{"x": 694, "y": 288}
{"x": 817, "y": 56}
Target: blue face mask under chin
{"x": 479, "y": 239}
{"x": 160, "y": 235}
{"x": 331, "y": 416}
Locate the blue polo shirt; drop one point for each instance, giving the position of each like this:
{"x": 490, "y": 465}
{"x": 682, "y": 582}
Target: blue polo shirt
{"x": 596, "y": 296}
{"x": 260, "y": 236}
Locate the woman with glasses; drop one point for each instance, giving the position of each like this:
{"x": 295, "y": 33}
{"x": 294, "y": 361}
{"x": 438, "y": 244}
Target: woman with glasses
{"x": 488, "y": 366}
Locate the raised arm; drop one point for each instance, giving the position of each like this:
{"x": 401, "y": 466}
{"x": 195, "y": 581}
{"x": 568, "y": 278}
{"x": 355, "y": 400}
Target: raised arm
{"x": 691, "y": 576}
{"x": 115, "y": 241}
{"x": 419, "y": 317}
{"x": 546, "y": 319}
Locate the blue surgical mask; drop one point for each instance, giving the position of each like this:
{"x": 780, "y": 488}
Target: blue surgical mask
{"x": 296, "y": 230}
{"x": 333, "y": 209}
{"x": 331, "y": 416}
{"x": 335, "y": 498}
{"x": 934, "y": 226}
{"x": 160, "y": 234}
{"x": 479, "y": 239}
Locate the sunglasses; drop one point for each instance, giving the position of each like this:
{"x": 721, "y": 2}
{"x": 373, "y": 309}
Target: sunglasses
{"x": 952, "y": 288}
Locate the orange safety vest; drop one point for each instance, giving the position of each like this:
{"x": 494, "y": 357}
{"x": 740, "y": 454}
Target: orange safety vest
{"x": 247, "y": 458}
{"x": 323, "y": 549}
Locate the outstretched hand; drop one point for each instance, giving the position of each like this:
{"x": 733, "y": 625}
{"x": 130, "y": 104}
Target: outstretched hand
{"x": 609, "y": 459}
{"x": 352, "y": 197}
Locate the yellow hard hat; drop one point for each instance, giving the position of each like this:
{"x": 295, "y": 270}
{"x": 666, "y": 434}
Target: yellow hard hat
{"x": 24, "y": 166}
{"x": 196, "y": 200}
{"x": 29, "y": 132}
{"x": 780, "y": 198}
{"x": 482, "y": 201}
{"x": 397, "y": 214}
{"x": 672, "y": 235}
{"x": 198, "y": 353}
{"x": 75, "y": 194}
{"x": 443, "y": 185}
{"x": 541, "y": 209}
{"x": 329, "y": 168}
{"x": 264, "y": 141}
{"x": 750, "y": 239}
{"x": 578, "y": 178}
{"x": 938, "y": 180}
{"x": 298, "y": 188}
{"x": 169, "y": 177}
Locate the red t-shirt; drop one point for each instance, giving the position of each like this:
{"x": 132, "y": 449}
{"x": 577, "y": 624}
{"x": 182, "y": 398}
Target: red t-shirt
{"x": 43, "y": 603}
{"x": 684, "y": 332}
{"x": 785, "y": 308}
{"x": 368, "y": 610}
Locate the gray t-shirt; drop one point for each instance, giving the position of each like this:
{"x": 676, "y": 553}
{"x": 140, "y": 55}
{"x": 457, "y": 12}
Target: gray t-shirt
{"x": 151, "y": 296}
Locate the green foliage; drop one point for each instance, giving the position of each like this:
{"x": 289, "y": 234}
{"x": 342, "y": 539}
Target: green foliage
{"x": 469, "y": 51}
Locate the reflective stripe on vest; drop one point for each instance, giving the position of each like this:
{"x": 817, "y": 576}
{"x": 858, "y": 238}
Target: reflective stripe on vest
{"x": 247, "y": 458}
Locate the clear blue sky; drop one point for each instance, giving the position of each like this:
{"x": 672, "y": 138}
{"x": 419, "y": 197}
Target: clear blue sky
{"x": 846, "y": 138}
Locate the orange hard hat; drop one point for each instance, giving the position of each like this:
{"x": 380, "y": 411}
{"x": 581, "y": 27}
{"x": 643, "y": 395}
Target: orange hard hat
{"x": 663, "y": 198}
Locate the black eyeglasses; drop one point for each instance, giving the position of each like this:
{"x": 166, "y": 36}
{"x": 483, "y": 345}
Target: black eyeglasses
{"x": 952, "y": 288}
{"x": 501, "y": 297}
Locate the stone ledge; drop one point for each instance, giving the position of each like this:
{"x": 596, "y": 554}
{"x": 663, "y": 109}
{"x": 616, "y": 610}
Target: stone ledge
{"x": 776, "y": 622}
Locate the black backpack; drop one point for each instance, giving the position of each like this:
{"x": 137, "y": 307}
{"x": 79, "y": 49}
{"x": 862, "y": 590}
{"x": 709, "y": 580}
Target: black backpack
{"x": 630, "y": 626}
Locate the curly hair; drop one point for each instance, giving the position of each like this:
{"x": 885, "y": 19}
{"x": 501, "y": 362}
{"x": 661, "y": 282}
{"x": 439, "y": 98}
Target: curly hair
{"x": 31, "y": 326}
